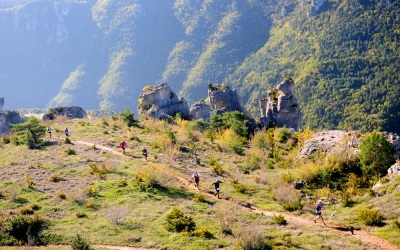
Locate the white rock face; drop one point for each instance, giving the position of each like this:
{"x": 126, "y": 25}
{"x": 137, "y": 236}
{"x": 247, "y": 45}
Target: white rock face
{"x": 156, "y": 101}
{"x": 394, "y": 169}
{"x": 281, "y": 107}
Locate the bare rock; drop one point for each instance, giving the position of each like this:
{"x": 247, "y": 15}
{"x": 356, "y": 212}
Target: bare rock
{"x": 200, "y": 110}
{"x": 70, "y": 112}
{"x": 7, "y": 118}
{"x": 154, "y": 101}
{"x": 394, "y": 169}
{"x": 281, "y": 107}
{"x": 329, "y": 142}
{"x": 223, "y": 99}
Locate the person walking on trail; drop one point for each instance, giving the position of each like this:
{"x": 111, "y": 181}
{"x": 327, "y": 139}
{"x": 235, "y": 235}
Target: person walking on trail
{"x": 144, "y": 153}
{"x": 196, "y": 178}
{"x": 216, "y": 185}
{"x": 49, "y": 131}
{"x": 318, "y": 211}
{"x": 122, "y": 145}
{"x": 66, "y": 132}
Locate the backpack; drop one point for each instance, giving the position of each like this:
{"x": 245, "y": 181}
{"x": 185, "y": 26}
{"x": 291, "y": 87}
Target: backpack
{"x": 196, "y": 177}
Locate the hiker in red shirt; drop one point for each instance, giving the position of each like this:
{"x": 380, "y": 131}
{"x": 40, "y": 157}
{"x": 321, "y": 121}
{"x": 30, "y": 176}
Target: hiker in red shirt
{"x": 123, "y": 146}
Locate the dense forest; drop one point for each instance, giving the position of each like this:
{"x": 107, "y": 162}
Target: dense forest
{"x": 342, "y": 55}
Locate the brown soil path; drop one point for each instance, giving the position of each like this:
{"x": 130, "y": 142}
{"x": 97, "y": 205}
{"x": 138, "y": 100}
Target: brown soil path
{"x": 362, "y": 235}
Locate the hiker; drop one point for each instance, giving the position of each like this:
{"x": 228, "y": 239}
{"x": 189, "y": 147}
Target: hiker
{"x": 122, "y": 145}
{"x": 216, "y": 184}
{"x": 318, "y": 211}
{"x": 144, "y": 153}
{"x": 66, "y": 132}
{"x": 196, "y": 178}
{"x": 49, "y": 130}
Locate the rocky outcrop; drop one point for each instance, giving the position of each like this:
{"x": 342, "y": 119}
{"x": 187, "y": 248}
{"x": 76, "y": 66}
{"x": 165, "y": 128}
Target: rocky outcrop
{"x": 158, "y": 101}
{"x": 328, "y": 142}
{"x": 394, "y": 169}
{"x": 281, "y": 107}
{"x": 223, "y": 99}
{"x": 70, "y": 112}
{"x": 200, "y": 110}
{"x": 1, "y": 103}
{"x": 7, "y": 118}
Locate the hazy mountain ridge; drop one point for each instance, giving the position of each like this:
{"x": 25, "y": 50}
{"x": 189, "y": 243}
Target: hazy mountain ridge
{"x": 100, "y": 54}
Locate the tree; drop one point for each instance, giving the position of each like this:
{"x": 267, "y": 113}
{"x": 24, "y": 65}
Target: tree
{"x": 375, "y": 155}
{"x": 31, "y": 131}
{"x": 128, "y": 117}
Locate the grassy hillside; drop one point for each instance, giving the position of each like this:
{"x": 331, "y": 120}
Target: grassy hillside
{"x": 89, "y": 187}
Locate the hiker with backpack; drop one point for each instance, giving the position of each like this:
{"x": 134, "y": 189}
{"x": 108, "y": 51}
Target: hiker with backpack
{"x": 318, "y": 211}
{"x": 196, "y": 178}
{"x": 216, "y": 185}
{"x": 122, "y": 145}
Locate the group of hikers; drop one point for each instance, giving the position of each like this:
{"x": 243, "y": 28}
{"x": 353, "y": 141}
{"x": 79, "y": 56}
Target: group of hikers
{"x": 66, "y": 132}
{"x": 123, "y": 145}
{"x": 196, "y": 177}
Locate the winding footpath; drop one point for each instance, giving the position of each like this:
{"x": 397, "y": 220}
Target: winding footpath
{"x": 359, "y": 234}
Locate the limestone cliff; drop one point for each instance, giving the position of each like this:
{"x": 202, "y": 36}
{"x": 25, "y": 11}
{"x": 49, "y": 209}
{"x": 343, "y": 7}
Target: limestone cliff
{"x": 281, "y": 107}
{"x": 158, "y": 101}
{"x": 223, "y": 99}
{"x": 7, "y": 118}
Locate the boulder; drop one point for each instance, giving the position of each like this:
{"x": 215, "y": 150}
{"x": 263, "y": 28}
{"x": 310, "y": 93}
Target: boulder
{"x": 331, "y": 141}
{"x": 281, "y": 107}
{"x": 70, "y": 112}
{"x": 200, "y": 110}
{"x": 155, "y": 101}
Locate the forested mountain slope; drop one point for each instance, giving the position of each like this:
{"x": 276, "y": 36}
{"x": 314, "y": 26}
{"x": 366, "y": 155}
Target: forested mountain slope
{"x": 342, "y": 55}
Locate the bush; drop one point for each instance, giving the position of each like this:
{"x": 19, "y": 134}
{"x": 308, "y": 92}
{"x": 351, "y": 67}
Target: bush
{"x": 199, "y": 197}
{"x": 288, "y": 197}
{"x": 203, "y": 232}
{"x": 18, "y": 227}
{"x": 280, "y": 220}
{"x": 375, "y": 155}
{"x": 78, "y": 243}
{"x": 283, "y": 135}
{"x": 147, "y": 178}
{"x": 371, "y": 217}
{"x": 253, "y": 240}
{"x": 61, "y": 195}
{"x": 69, "y": 151}
{"x": 128, "y": 118}
{"x": 116, "y": 215}
{"x": 55, "y": 178}
{"x": 6, "y": 139}
{"x": 81, "y": 215}
{"x": 67, "y": 140}
{"x": 97, "y": 170}
{"x": 29, "y": 182}
{"x": 176, "y": 221}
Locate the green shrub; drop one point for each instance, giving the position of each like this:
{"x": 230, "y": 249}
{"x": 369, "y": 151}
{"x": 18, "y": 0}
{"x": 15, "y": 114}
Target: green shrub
{"x": 171, "y": 136}
{"x": 104, "y": 122}
{"x": 217, "y": 168}
{"x": 283, "y": 135}
{"x": 78, "y": 243}
{"x": 82, "y": 123}
{"x": 293, "y": 206}
{"x": 67, "y": 140}
{"x": 176, "y": 221}
{"x": 70, "y": 151}
{"x": 280, "y": 220}
{"x": 371, "y": 217}
{"x": 203, "y": 232}
{"x": 61, "y": 195}
{"x": 128, "y": 118}
{"x": 28, "y": 210}
{"x": 19, "y": 226}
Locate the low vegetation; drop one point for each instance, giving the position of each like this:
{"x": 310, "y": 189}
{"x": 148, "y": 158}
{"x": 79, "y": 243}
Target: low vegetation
{"x": 89, "y": 188}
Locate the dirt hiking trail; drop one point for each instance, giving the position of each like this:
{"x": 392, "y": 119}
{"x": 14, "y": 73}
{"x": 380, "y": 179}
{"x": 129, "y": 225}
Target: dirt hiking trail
{"x": 359, "y": 234}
